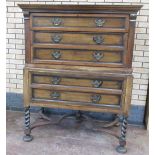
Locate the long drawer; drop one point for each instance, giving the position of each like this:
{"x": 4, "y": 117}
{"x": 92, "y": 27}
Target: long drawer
{"x": 75, "y": 22}
{"x": 78, "y": 81}
{"x": 115, "y": 39}
{"x": 78, "y": 57}
{"x": 76, "y": 97}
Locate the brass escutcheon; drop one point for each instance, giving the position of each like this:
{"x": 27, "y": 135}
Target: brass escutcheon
{"x": 98, "y": 55}
{"x": 96, "y": 98}
{"x": 97, "y": 83}
{"x": 56, "y": 38}
{"x": 56, "y": 21}
{"x": 56, "y": 54}
{"x": 55, "y": 95}
{"x": 56, "y": 80}
{"x": 98, "y": 39}
{"x": 99, "y": 22}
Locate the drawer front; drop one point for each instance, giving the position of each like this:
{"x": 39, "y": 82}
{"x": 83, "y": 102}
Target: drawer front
{"x": 79, "y": 39}
{"x": 79, "y": 21}
{"x": 51, "y": 79}
{"x": 85, "y": 98}
{"x": 43, "y": 55}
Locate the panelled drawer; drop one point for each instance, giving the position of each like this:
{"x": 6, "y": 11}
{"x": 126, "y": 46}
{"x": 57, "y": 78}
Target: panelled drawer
{"x": 76, "y": 97}
{"x": 49, "y": 55}
{"x": 57, "y": 79}
{"x": 79, "y": 21}
{"x": 114, "y": 39}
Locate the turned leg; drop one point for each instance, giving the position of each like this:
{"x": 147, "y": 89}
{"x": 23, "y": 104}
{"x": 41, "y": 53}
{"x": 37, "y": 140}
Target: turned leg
{"x": 27, "y": 137}
{"x": 43, "y": 110}
{"x": 78, "y": 116}
{"x": 122, "y": 140}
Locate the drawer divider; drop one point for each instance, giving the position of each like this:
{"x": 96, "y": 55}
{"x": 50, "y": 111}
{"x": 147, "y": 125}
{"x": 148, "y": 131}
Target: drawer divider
{"x": 77, "y": 89}
{"x": 88, "y": 47}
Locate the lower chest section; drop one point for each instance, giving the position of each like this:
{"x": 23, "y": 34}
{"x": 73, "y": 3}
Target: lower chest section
{"x": 75, "y": 89}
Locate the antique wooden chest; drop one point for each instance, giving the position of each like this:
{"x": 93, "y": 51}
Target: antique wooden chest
{"x": 79, "y": 58}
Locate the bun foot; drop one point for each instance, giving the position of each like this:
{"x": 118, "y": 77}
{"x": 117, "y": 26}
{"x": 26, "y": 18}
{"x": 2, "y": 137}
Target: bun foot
{"x": 27, "y": 138}
{"x": 121, "y": 149}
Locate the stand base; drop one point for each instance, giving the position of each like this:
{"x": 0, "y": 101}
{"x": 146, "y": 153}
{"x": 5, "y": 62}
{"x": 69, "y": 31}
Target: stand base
{"x": 121, "y": 149}
{"x": 27, "y": 138}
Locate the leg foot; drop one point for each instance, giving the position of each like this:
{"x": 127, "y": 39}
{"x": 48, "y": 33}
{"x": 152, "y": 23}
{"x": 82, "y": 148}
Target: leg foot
{"x": 121, "y": 149}
{"x": 27, "y": 138}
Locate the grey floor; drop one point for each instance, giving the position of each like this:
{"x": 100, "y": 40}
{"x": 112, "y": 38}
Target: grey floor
{"x": 69, "y": 139}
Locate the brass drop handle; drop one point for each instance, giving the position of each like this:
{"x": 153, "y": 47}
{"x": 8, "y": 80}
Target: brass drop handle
{"x": 56, "y": 54}
{"x": 56, "y": 21}
{"x": 55, "y": 95}
{"x": 98, "y": 39}
{"x": 98, "y": 55}
{"x": 95, "y": 98}
{"x": 97, "y": 83}
{"x": 99, "y": 22}
{"x": 56, "y": 38}
{"x": 56, "y": 80}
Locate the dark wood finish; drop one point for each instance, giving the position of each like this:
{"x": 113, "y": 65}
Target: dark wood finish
{"x": 131, "y": 40}
{"x": 79, "y": 57}
{"x": 27, "y": 37}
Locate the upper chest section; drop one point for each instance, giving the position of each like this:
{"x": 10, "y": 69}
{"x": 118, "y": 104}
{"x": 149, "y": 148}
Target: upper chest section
{"x": 80, "y": 35}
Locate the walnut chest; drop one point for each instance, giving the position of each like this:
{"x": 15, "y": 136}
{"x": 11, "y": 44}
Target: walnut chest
{"x": 79, "y": 58}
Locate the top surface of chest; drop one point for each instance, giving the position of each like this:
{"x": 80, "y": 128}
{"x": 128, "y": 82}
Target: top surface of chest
{"x": 128, "y": 9}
